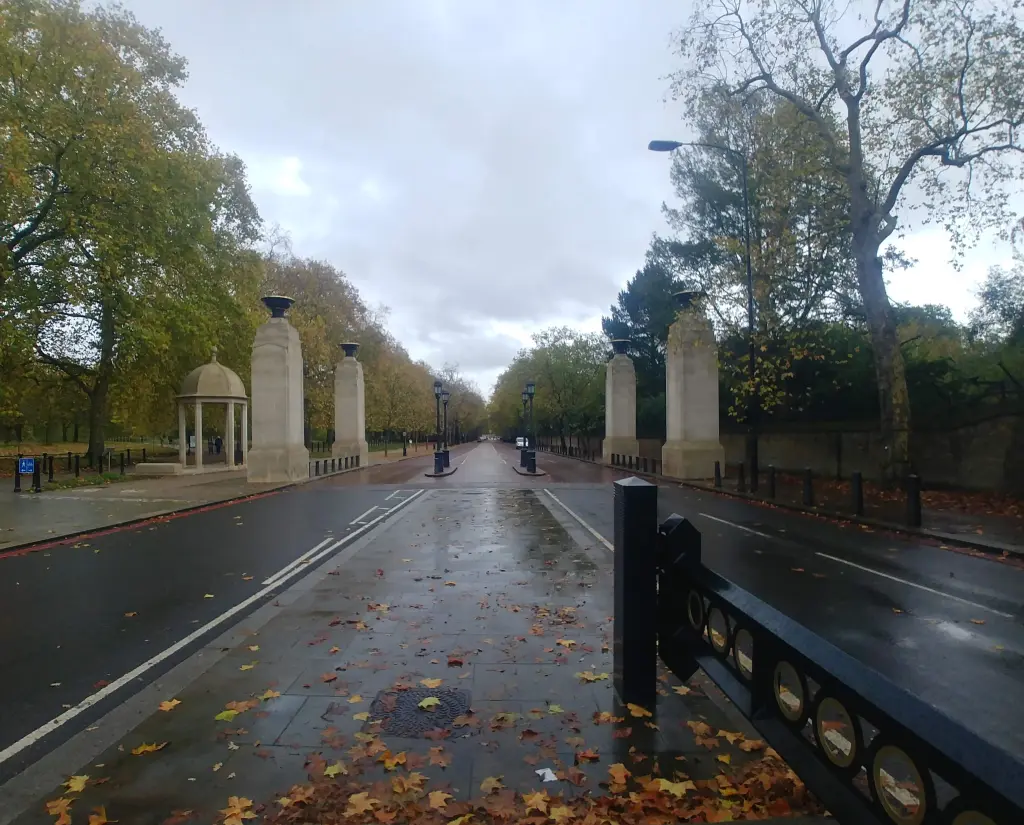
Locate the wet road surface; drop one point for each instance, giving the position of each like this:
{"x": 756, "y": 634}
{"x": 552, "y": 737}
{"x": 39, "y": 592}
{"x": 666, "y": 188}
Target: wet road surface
{"x": 945, "y": 625}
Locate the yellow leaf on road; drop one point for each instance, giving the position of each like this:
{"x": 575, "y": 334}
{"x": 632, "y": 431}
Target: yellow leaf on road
{"x": 208, "y": 595}
{"x": 567, "y": 643}
{"x": 99, "y": 816}
{"x": 431, "y": 683}
{"x": 169, "y": 704}
{"x": 537, "y": 801}
{"x": 491, "y": 784}
{"x": 226, "y": 715}
{"x": 76, "y": 784}
{"x": 977, "y": 621}
{"x": 254, "y": 648}
{"x": 590, "y": 676}
{"x": 449, "y": 584}
{"x": 148, "y": 748}
{"x": 724, "y": 758}
{"x": 361, "y": 717}
{"x": 269, "y": 694}
{"x": 237, "y": 810}
{"x": 637, "y": 711}
{"x": 560, "y": 813}
{"x": 360, "y": 803}
{"x": 438, "y": 799}
{"x": 677, "y": 789}
{"x": 355, "y": 700}
{"x": 130, "y": 614}
{"x": 429, "y": 703}
{"x": 60, "y": 808}
{"x": 335, "y": 769}
{"x": 249, "y": 666}
{"x": 682, "y": 690}
{"x": 556, "y": 709}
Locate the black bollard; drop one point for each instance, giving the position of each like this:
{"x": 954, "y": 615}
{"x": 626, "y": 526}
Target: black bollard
{"x": 78, "y": 468}
{"x": 913, "y": 501}
{"x": 37, "y": 477}
{"x": 741, "y": 478}
{"x": 447, "y": 459}
{"x": 17, "y": 474}
{"x": 438, "y": 462}
{"x": 808, "y": 488}
{"x": 144, "y": 455}
{"x": 522, "y": 457}
{"x": 531, "y": 461}
{"x": 318, "y": 466}
{"x": 405, "y": 450}
{"x": 718, "y": 475}
{"x": 771, "y": 481}
{"x": 50, "y": 473}
{"x": 857, "y": 493}
{"x": 346, "y": 462}
{"x": 644, "y": 460}
{"x": 635, "y": 626}
{"x": 122, "y": 463}
{"x": 69, "y": 461}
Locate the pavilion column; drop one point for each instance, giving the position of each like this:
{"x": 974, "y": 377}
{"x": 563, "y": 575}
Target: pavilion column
{"x": 245, "y": 434}
{"x": 182, "y": 436}
{"x": 230, "y": 428}
{"x": 199, "y": 434}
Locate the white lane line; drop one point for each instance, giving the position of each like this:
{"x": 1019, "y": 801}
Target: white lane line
{"x": 915, "y": 584}
{"x": 273, "y": 577}
{"x": 392, "y": 495}
{"x": 44, "y": 730}
{"x": 359, "y": 519}
{"x": 737, "y": 526}
{"x": 593, "y": 532}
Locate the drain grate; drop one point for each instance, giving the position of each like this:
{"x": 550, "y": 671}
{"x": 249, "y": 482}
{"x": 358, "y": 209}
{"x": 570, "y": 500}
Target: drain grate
{"x": 400, "y": 715}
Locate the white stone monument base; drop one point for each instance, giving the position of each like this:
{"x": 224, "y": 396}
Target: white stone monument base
{"x": 278, "y": 464}
{"x": 619, "y": 445}
{"x": 359, "y": 447}
{"x": 691, "y": 459}
{"x": 158, "y": 468}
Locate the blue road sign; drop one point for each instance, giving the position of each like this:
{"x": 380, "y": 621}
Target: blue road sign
{"x": 26, "y": 466}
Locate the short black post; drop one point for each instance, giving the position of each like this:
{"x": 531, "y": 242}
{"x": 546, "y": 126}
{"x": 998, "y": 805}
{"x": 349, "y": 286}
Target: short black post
{"x": 37, "y": 477}
{"x": 522, "y": 457}
{"x": 78, "y": 466}
{"x": 857, "y": 493}
{"x": 17, "y": 474}
{"x": 913, "y": 501}
{"x": 635, "y": 630}
{"x": 50, "y": 471}
{"x": 808, "y": 488}
{"x": 405, "y": 450}
{"x": 741, "y": 478}
{"x": 144, "y": 455}
{"x": 718, "y": 474}
{"x": 332, "y": 464}
{"x": 69, "y": 461}
{"x": 771, "y": 481}
{"x": 644, "y": 460}
{"x": 122, "y": 462}
{"x": 447, "y": 459}
{"x": 438, "y": 462}
{"x": 129, "y": 452}
{"x": 318, "y": 466}
{"x": 346, "y": 462}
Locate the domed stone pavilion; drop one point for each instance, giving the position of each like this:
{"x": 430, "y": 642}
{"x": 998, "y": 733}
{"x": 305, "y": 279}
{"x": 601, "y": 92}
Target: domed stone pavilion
{"x": 213, "y": 383}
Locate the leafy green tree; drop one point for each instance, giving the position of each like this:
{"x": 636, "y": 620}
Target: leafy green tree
{"x": 919, "y": 106}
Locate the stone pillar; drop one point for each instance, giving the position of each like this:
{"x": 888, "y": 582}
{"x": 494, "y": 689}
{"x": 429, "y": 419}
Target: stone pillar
{"x": 182, "y": 436}
{"x": 278, "y": 454}
{"x": 350, "y": 408}
{"x": 229, "y": 442}
{"x": 619, "y": 405}
{"x": 691, "y": 394}
{"x": 245, "y": 435}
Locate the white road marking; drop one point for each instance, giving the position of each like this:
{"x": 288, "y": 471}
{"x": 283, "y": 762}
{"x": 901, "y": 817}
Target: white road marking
{"x": 392, "y": 495}
{"x": 292, "y": 565}
{"x": 359, "y": 519}
{"x": 737, "y": 526}
{"x": 915, "y": 584}
{"x": 44, "y": 730}
{"x": 870, "y": 570}
{"x": 593, "y": 532}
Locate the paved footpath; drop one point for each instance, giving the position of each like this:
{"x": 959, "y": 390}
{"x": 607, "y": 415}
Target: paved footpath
{"x": 448, "y": 664}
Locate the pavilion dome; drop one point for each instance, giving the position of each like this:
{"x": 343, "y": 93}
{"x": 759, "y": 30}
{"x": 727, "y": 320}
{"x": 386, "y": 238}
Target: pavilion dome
{"x": 213, "y": 381}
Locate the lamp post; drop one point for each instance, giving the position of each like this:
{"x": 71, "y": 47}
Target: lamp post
{"x": 753, "y": 406}
{"x": 526, "y": 440}
{"x": 531, "y": 389}
{"x": 437, "y": 428}
{"x": 445, "y": 396}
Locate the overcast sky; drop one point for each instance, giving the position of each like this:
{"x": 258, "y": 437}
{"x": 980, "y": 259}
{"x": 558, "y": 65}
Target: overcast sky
{"x": 479, "y": 167}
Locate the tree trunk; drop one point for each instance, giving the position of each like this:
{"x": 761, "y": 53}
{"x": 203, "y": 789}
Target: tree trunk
{"x": 890, "y": 370}
{"x": 101, "y": 389}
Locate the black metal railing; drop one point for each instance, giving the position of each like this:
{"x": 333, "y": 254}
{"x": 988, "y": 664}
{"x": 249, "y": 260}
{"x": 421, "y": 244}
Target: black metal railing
{"x": 327, "y": 466}
{"x": 833, "y": 718}
{"x": 871, "y": 751}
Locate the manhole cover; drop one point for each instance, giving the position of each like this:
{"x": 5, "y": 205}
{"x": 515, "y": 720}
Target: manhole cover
{"x": 400, "y": 714}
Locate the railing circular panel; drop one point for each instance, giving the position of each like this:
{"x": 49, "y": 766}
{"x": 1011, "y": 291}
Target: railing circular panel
{"x": 900, "y": 787}
{"x": 837, "y": 732}
{"x": 790, "y": 692}
{"x": 695, "y": 610}
{"x": 743, "y": 653}
{"x": 718, "y": 630}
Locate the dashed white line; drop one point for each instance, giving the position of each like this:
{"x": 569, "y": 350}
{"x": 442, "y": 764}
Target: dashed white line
{"x": 359, "y": 519}
{"x": 586, "y": 526}
{"x": 737, "y": 526}
{"x": 58, "y": 721}
{"x": 914, "y": 584}
{"x": 300, "y": 560}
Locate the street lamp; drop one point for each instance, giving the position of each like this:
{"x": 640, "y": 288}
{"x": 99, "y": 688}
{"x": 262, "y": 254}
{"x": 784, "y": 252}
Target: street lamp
{"x": 437, "y": 428}
{"x": 445, "y": 396}
{"x": 531, "y": 388}
{"x": 753, "y": 407}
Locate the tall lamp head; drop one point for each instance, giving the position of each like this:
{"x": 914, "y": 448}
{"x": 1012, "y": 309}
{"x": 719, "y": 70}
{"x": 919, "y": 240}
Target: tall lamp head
{"x": 437, "y": 389}
{"x": 531, "y": 388}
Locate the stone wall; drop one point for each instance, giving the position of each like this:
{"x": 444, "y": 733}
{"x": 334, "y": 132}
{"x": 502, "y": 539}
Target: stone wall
{"x": 984, "y": 455}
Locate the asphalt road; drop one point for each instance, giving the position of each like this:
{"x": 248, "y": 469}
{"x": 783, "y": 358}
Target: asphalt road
{"x": 75, "y": 618}
{"x": 945, "y": 625}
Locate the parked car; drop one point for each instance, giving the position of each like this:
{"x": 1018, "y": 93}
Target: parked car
{"x": 520, "y": 442}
